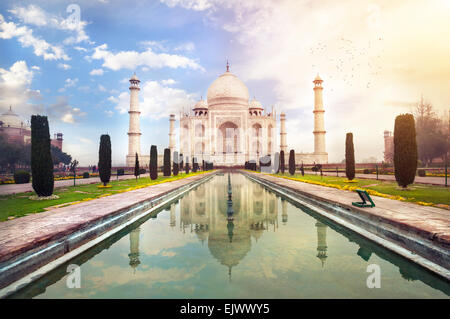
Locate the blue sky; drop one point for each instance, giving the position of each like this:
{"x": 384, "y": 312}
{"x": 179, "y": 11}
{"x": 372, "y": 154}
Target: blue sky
{"x": 76, "y": 74}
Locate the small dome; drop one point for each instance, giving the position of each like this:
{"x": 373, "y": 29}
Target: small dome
{"x": 201, "y": 105}
{"x": 255, "y": 104}
{"x": 227, "y": 88}
{"x": 134, "y": 78}
{"x": 318, "y": 78}
{"x": 11, "y": 119}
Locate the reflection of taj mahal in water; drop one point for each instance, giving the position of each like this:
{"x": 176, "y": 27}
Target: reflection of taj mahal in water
{"x": 204, "y": 212}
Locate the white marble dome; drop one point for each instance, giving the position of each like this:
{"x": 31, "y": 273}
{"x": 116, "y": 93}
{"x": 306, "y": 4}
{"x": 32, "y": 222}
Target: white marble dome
{"x": 201, "y": 105}
{"x": 227, "y": 88}
{"x": 255, "y": 104}
{"x": 11, "y": 119}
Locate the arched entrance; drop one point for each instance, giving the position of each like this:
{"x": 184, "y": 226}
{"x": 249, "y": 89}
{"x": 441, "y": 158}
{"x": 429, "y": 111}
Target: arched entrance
{"x": 228, "y": 141}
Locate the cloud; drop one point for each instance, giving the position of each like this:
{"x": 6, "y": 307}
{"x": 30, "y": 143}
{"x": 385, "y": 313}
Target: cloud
{"x": 81, "y": 49}
{"x": 96, "y": 72}
{"x": 68, "y": 118}
{"x": 31, "y": 15}
{"x": 24, "y": 35}
{"x": 168, "y": 82}
{"x": 61, "y": 110}
{"x": 34, "y": 15}
{"x": 197, "y": 5}
{"x": 188, "y": 46}
{"x": 64, "y": 66}
{"x": 109, "y": 113}
{"x": 156, "y": 100}
{"x": 71, "y": 82}
{"x": 15, "y": 89}
{"x": 85, "y": 140}
{"x": 132, "y": 59}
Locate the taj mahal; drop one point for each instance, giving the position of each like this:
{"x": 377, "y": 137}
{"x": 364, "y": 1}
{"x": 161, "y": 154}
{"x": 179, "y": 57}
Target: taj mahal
{"x": 228, "y": 128}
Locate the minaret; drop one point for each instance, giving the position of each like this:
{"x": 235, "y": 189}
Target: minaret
{"x": 319, "y": 126}
{"x": 134, "y": 248}
{"x": 172, "y": 134}
{"x": 283, "y": 145}
{"x": 172, "y": 216}
{"x": 284, "y": 214}
{"x": 321, "y": 242}
{"x": 134, "y": 132}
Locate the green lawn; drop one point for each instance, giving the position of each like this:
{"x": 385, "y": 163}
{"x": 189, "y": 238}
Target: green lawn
{"x": 18, "y": 205}
{"x": 416, "y": 193}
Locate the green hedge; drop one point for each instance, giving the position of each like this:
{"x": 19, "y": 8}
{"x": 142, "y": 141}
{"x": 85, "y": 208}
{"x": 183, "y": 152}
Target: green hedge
{"x": 21, "y": 177}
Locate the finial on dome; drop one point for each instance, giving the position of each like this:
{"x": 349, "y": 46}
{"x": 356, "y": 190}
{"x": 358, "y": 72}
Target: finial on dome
{"x": 228, "y": 66}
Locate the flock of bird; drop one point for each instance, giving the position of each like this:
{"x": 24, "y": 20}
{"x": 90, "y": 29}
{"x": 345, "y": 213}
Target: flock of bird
{"x": 351, "y": 59}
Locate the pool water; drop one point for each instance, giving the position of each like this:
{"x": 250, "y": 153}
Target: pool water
{"x": 271, "y": 249}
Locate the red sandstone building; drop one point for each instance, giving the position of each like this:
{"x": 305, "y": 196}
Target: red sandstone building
{"x": 17, "y": 131}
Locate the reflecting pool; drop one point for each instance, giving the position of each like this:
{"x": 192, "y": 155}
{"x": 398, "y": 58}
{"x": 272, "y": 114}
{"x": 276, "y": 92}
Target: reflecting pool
{"x": 270, "y": 248}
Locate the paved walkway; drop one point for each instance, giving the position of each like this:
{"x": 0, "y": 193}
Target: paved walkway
{"x": 431, "y": 222}
{"x": 418, "y": 180}
{"x": 7, "y": 189}
{"x": 22, "y": 234}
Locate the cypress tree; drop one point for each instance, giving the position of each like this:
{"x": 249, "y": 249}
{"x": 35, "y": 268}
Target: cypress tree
{"x": 282, "y": 166}
{"x": 181, "y": 161}
{"x": 187, "y": 165}
{"x": 302, "y": 169}
{"x": 349, "y": 157}
{"x": 104, "y": 159}
{"x": 136, "y": 167}
{"x": 41, "y": 157}
{"x": 176, "y": 166}
{"x": 194, "y": 165}
{"x": 405, "y": 150}
{"x": 166, "y": 169}
{"x": 292, "y": 162}
{"x": 153, "y": 162}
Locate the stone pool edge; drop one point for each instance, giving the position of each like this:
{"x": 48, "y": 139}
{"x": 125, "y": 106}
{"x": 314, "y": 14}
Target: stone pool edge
{"x": 62, "y": 250}
{"x": 388, "y": 236}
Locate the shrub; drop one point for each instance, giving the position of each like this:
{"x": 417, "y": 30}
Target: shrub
{"x": 21, "y": 177}
{"x": 166, "y": 169}
{"x": 104, "y": 159}
{"x": 120, "y": 172}
{"x": 366, "y": 171}
{"x": 41, "y": 157}
{"x": 142, "y": 171}
{"x": 153, "y": 162}
{"x": 349, "y": 157}
{"x": 282, "y": 159}
{"x": 86, "y": 175}
{"x": 176, "y": 166}
{"x": 292, "y": 162}
{"x": 405, "y": 150}
{"x": 421, "y": 173}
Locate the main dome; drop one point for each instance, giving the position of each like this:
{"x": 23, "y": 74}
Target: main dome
{"x": 11, "y": 119}
{"x": 227, "y": 88}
